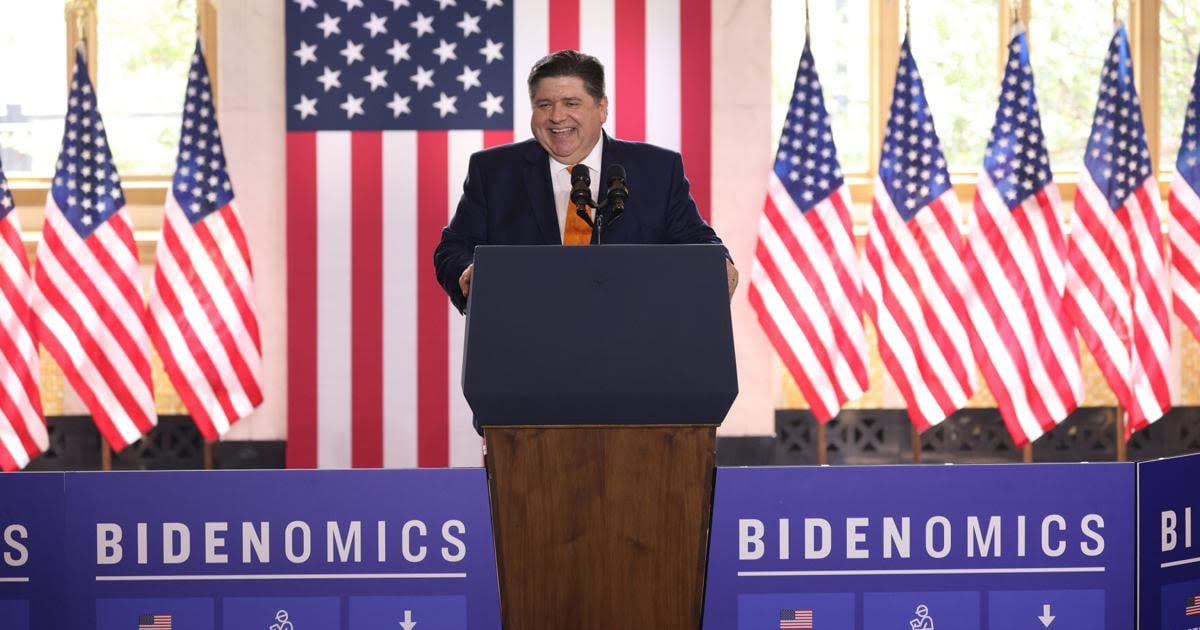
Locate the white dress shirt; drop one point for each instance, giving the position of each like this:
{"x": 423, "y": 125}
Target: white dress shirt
{"x": 560, "y": 179}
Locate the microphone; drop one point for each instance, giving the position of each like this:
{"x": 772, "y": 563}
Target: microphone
{"x": 617, "y": 192}
{"x": 581, "y": 190}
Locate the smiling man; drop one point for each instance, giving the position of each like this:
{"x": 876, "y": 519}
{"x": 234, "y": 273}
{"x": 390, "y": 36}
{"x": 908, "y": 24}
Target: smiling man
{"x": 519, "y": 194}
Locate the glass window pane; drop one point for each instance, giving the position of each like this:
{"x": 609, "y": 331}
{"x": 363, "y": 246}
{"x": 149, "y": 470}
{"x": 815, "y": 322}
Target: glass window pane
{"x": 1179, "y": 24}
{"x": 33, "y": 64}
{"x": 1067, "y": 43}
{"x": 145, "y": 50}
{"x": 956, "y": 47}
{"x": 840, "y": 45}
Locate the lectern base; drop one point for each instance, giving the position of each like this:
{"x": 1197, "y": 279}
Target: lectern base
{"x": 601, "y": 527}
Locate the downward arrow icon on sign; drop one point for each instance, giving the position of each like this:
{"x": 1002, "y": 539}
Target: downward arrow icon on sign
{"x": 1046, "y": 617}
{"x": 408, "y": 623}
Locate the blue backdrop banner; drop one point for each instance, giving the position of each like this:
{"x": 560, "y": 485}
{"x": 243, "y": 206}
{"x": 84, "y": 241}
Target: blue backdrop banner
{"x": 923, "y": 547}
{"x": 1169, "y": 543}
{"x": 32, "y": 512}
{"x": 281, "y": 550}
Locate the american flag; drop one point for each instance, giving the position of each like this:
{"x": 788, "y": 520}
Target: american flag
{"x": 203, "y": 319}
{"x": 804, "y": 284}
{"x": 795, "y": 619}
{"x": 88, "y": 297}
{"x": 1193, "y": 605}
{"x": 22, "y": 426}
{"x": 1116, "y": 277}
{"x": 1185, "y": 218}
{"x": 914, "y": 275}
{"x": 1016, "y": 252}
{"x": 154, "y": 622}
{"x": 386, "y": 102}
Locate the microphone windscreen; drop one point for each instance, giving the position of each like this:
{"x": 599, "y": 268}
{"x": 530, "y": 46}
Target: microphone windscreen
{"x": 580, "y": 175}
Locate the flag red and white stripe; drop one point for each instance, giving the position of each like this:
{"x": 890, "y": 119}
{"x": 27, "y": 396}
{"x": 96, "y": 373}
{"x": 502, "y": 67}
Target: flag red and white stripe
{"x": 203, "y": 319}
{"x": 1116, "y": 276}
{"x": 375, "y": 348}
{"x": 22, "y": 425}
{"x": 806, "y": 290}
{"x": 1185, "y": 218}
{"x": 917, "y": 305}
{"x": 1015, "y": 257}
{"x": 1185, "y": 252}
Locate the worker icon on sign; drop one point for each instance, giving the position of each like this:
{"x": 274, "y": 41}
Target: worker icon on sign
{"x": 923, "y": 620}
{"x": 284, "y": 624}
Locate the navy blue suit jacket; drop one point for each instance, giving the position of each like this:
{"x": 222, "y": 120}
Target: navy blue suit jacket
{"x": 508, "y": 199}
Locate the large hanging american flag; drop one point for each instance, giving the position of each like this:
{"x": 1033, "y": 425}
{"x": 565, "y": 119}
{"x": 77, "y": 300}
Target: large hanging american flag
{"x": 386, "y": 102}
{"x": 22, "y": 426}
{"x": 1023, "y": 340}
{"x": 914, "y": 277}
{"x": 203, "y": 319}
{"x": 1116, "y": 277}
{"x": 88, "y": 297}
{"x": 1185, "y": 218}
{"x": 805, "y": 286}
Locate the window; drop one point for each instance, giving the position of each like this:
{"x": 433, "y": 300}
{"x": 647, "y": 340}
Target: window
{"x": 34, "y": 89}
{"x": 843, "y": 64}
{"x": 959, "y": 46}
{"x": 1179, "y": 25}
{"x": 1067, "y": 42}
{"x": 145, "y": 50}
{"x": 960, "y": 69}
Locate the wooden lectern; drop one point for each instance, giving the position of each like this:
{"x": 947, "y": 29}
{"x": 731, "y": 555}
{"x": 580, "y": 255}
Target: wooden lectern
{"x": 598, "y": 376}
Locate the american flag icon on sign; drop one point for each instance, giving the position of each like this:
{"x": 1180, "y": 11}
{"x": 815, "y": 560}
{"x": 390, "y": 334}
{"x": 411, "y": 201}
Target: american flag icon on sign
{"x": 795, "y": 619}
{"x": 154, "y": 622}
{"x": 1193, "y": 605}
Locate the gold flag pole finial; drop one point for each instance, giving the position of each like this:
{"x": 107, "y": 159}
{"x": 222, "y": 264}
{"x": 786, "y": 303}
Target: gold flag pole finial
{"x": 1116, "y": 18}
{"x": 81, "y": 10}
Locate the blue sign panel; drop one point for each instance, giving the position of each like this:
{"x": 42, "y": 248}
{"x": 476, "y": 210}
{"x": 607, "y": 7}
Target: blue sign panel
{"x": 32, "y": 514}
{"x": 282, "y": 550}
{"x": 922, "y": 547}
{"x": 1169, "y": 543}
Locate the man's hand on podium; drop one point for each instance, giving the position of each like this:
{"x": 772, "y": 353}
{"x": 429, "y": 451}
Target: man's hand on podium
{"x": 731, "y": 275}
{"x": 464, "y": 281}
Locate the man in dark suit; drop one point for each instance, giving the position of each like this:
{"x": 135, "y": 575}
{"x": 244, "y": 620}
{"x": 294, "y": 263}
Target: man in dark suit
{"x": 519, "y": 194}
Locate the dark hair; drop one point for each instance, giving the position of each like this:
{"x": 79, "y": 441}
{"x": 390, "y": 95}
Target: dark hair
{"x": 570, "y": 63}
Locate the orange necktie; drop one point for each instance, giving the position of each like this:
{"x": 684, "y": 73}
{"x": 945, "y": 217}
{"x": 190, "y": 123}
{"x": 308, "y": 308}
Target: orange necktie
{"x": 575, "y": 229}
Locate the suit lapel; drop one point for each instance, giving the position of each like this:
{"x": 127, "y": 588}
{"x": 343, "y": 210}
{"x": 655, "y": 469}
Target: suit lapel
{"x": 536, "y": 172}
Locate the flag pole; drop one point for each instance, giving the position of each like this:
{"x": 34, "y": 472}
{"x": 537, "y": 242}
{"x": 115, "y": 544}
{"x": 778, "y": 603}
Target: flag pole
{"x": 1122, "y": 454}
{"x": 807, "y": 21}
{"x": 81, "y": 10}
{"x": 907, "y": 16}
{"x": 822, "y": 443}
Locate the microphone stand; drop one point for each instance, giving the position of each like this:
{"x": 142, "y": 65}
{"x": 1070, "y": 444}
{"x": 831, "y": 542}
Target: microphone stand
{"x": 607, "y": 212}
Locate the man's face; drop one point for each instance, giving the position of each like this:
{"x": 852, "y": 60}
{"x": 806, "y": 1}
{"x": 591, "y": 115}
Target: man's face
{"x": 566, "y": 119}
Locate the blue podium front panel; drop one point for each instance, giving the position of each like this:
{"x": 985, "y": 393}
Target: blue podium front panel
{"x": 1169, "y": 543}
{"x": 916, "y": 547}
{"x": 222, "y": 550}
